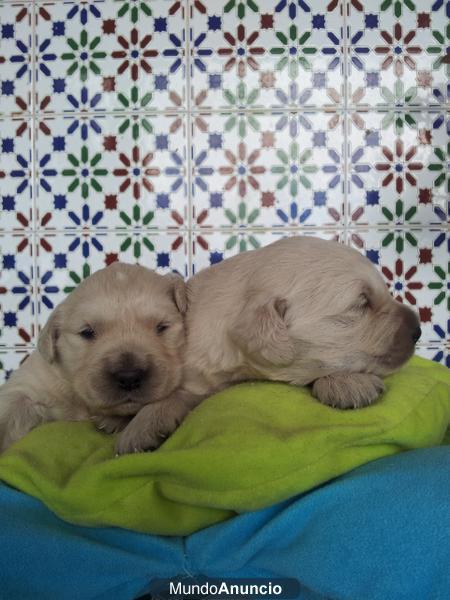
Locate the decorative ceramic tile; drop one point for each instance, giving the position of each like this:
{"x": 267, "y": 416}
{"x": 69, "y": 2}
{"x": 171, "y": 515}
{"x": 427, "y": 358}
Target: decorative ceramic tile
{"x": 209, "y": 248}
{"x": 16, "y": 210}
{"x": 415, "y": 265}
{"x": 103, "y": 171}
{"x": 65, "y": 259}
{"x": 176, "y": 134}
{"x": 256, "y": 53}
{"x": 438, "y": 353}
{"x": 398, "y": 168}
{"x": 271, "y": 170}
{"x": 15, "y": 58}
{"x": 10, "y": 360}
{"x": 17, "y": 290}
{"x": 395, "y": 53}
{"x": 110, "y": 55}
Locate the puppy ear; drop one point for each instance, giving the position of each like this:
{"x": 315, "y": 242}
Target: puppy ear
{"x": 49, "y": 336}
{"x": 178, "y": 291}
{"x": 261, "y": 332}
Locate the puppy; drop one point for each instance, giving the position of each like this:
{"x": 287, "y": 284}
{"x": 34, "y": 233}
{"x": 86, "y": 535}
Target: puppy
{"x": 301, "y": 310}
{"x": 114, "y": 344}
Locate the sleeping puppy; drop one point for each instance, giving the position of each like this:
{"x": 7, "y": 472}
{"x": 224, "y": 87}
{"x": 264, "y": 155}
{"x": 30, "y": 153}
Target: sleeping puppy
{"x": 114, "y": 344}
{"x": 301, "y": 310}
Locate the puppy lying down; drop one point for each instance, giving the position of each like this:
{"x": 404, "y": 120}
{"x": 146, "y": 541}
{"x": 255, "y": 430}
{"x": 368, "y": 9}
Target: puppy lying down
{"x": 302, "y": 310}
{"x": 114, "y": 344}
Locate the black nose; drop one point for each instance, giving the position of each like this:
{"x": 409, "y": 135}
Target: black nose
{"x": 416, "y": 334}
{"x": 129, "y": 379}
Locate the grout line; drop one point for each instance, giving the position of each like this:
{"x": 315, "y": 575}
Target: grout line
{"x": 346, "y": 120}
{"x": 217, "y": 229}
{"x": 34, "y": 235}
{"x": 168, "y": 112}
{"x": 188, "y": 137}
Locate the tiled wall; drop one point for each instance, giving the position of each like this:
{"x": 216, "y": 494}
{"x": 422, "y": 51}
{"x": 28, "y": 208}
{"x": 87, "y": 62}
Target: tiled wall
{"x": 176, "y": 133}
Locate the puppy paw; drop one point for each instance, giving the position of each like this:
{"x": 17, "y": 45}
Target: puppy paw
{"x": 110, "y": 424}
{"x": 147, "y": 431}
{"x": 348, "y": 390}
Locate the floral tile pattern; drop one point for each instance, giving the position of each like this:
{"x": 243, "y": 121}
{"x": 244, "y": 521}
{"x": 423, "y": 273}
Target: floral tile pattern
{"x": 176, "y": 133}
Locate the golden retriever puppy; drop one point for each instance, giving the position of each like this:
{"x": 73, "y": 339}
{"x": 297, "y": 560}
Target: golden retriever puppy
{"x": 112, "y": 345}
{"x": 301, "y": 310}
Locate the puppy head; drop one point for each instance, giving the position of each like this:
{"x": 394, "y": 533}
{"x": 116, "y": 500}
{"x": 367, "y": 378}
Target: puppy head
{"x": 337, "y": 315}
{"x": 118, "y": 337}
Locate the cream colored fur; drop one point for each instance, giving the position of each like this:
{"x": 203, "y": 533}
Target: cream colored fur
{"x": 301, "y": 310}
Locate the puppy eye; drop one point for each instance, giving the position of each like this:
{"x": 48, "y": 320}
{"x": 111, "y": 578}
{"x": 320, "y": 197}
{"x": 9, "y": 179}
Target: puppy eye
{"x": 161, "y": 327}
{"x": 87, "y": 333}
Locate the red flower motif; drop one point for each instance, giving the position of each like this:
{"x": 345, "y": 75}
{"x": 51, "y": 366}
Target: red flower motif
{"x": 400, "y": 283}
{"x": 136, "y": 172}
{"x": 242, "y": 169}
{"x": 134, "y": 54}
{"x": 242, "y": 51}
{"x": 400, "y": 166}
{"x": 398, "y": 50}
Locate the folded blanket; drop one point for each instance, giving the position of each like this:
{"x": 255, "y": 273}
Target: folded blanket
{"x": 245, "y": 448}
{"x": 379, "y": 532}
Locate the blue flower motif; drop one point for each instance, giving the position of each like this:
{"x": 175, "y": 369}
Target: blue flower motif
{"x": 294, "y": 215}
{"x": 84, "y": 12}
{"x": 292, "y": 8}
{"x": 43, "y": 57}
{"x": 198, "y": 52}
{"x": 358, "y": 168}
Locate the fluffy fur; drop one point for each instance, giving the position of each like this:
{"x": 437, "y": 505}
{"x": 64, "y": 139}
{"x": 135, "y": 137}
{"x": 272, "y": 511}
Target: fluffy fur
{"x": 113, "y": 345}
{"x": 302, "y": 311}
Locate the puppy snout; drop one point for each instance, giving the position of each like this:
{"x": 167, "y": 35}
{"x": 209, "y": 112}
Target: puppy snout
{"x": 129, "y": 379}
{"x": 416, "y": 334}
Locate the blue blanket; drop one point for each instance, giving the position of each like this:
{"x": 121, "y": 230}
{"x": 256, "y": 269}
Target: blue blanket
{"x": 380, "y": 531}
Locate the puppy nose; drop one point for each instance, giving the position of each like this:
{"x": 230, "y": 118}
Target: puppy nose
{"x": 129, "y": 379}
{"x": 416, "y": 334}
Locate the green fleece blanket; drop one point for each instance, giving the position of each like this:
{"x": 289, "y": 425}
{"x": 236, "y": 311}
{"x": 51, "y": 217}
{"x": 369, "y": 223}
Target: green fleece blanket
{"x": 243, "y": 449}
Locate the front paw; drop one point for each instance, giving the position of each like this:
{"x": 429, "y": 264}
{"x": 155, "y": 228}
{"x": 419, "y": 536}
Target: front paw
{"x": 348, "y": 390}
{"x": 147, "y": 431}
{"x": 110, "y": 424}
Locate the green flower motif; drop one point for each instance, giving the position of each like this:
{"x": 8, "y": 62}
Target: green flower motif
{"x": 441, "y": 285}
{"x": 293, "y": 51}
{"x": 398, "y": 6}
{"x": 399, "y": 96}
{"x": 400, "y": 215}
{"x": 399, "y": 120}
{"x": 84, "y": 172}
{"x": 83, "y": 55}
{"x": 240, "y": 7}
{"x": 440, "y": 50}
{"x": 77, "y": 279}
{"x": 241, "y": 218}
{"x": 241, "y": 121}
{"x": 134, "y": 8}
{"x": 399, "y": 241}
{"x": 246, "y": 241}
{"x": 136, "y": 218}
{"x": 138, "y": 121}
{"x": 441, "y": 167}
{"x": 138, "y": 241}
{"x": 293, "y": 169}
